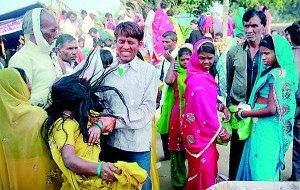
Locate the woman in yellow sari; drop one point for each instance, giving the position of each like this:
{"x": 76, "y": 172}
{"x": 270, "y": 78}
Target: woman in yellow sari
{"x": 25, "y": 161}
{"x": 73, "y": 131}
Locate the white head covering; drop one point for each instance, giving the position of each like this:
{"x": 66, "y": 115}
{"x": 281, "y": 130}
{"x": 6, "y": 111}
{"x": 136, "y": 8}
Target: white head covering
{"x": 122, "y": 12}
{"x": 36, "y": 24}
{"x": 32, "y": 25}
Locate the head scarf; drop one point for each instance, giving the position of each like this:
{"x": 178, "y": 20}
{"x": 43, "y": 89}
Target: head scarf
{"x": 239, "y": 26}
{"x": 140, "y": 20}
{"x": 181, "y": 77}
{"x": 200, "y": 113}
{"x": 36, "y": 24}
{"x": 194, "y": 64}
{"x": 163, "y": 123}
{"x": 22, "y": 149}
{"x": 285, "y": 87}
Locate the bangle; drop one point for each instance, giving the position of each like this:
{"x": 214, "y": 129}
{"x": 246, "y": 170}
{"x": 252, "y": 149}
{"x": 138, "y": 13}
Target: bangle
{"x": 240, "y": 112}
{"x": 220, "y": 107}
{"x": 223, "y": 133}
{"x": 99, "y": 169}
{"x": 99, "y": 124}
{"x": 170, "y": 69}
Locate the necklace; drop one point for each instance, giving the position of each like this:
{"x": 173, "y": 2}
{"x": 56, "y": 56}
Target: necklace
{"x": 66, "y": 114}
{"x": 69, "y": 116}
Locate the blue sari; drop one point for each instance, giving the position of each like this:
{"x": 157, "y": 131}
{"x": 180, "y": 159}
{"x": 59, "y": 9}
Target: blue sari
{"x": 264, "y": 151}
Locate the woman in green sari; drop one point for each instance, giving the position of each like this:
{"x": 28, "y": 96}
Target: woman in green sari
{"x": 273, "y": 106}
{"x": 238, "y": 22}
{"x": 175, "y": 102}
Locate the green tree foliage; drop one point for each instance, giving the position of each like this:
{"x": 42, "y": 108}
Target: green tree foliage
{"x": 279, "y": 4}
{"x": 290, "y": 12}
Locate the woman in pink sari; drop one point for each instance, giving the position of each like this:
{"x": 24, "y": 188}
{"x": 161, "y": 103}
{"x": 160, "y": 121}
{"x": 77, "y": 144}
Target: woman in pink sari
{"x": 139, "y": 19}
{"x": 160, "y": 25}
{"x": 208, "y": 24}
{"x": 200, "y": 124}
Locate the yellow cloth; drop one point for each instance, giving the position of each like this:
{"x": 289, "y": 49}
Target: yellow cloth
{"x": 153, "y": 168}
{"x": 67, "y": 132}
{"x": 180, "y": 39}
{"x": 25, "y": 161}
{"x": 40, "y": 68}
{"x": 69, "y": 28}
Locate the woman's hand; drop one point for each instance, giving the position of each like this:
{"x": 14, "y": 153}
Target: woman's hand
{"x": 108, "y": 170}
{"x": 94, "y": 134}
{"x": 227, "y": 114}
{"x": 238, "y": 114}
{"x": 224, "y": 135}
{"x": 108, "y": 124}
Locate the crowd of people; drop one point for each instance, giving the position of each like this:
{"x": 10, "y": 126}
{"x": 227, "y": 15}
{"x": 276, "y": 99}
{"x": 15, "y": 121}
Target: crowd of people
{"x": 81, "y": 115}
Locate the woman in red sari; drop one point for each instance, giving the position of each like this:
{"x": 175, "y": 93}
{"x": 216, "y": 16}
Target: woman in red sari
{"x": 200, "y": 124}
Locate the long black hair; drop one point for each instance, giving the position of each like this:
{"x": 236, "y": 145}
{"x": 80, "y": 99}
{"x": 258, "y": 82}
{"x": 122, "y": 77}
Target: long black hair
{"x": 198, "y": 26}
{"x": 80, "y": 96}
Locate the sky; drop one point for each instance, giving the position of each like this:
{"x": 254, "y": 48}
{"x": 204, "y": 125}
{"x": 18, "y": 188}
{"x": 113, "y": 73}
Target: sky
{"x": 103, "y": 6}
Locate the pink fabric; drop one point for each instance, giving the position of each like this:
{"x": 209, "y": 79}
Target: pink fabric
{"x": 269, "y": 21}
{"x": 160, "y": 25}
{"x": 80, "y": 56}
{"x": 208, "y": 162}
{"x": 208, "y": 23}
{"x": 230, "y": 30}
{"x": 61, "y": 17}
{"x": 260, "y": 8}
{"x": 139, "y": 20}
{"x": 76, "y": 24}
{"x": 175, "y": 144}
{"x": 200, "y": 123}
{"x": 218, "y": 24}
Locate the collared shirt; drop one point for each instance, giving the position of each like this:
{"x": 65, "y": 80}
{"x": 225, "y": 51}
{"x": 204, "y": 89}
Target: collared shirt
{"x": 241, "y": 73}
{"x": 252, "y": 69}
{"x": 41, "y": 69}
{"x": 69, "y": 67}
{"x": 138, "y": 84}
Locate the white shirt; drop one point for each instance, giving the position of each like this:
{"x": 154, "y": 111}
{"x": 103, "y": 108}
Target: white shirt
{"x": 87, "y": 24}
{"x": 41, "y": 69}
{"x": 138, "y": 85}
{"x": 165, "y": 65}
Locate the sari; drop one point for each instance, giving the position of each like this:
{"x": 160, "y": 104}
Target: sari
{"x": 139, "y": 19}
{"x": 268, "y": 24}
{"x": 153, "y": 168}
{"x": 208, "y": 24}
{"x": 160, "y": 25}
{"x": 25, "y": 161}
{"x": 238, "y": 22}
{"x": 200, "y": 124}
{"x": 259, "y": 161}
{"x": 179, "y": 34}
{"x": 176, "y": 147}
{"x": 66, "y": 131}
